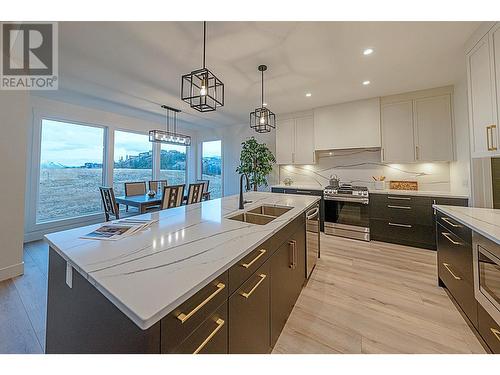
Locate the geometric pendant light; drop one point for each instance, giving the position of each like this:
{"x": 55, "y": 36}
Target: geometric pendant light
{"x": 262, "y": 120}
{"x": 201, "y": 89}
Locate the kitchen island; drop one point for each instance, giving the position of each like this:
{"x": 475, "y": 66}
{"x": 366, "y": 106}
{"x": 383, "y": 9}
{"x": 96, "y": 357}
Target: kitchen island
{"x": 170, "y": 288}
{"x": 468, "y": 265}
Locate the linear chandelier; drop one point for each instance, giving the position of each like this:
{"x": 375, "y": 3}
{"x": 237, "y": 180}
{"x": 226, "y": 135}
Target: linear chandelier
{"x": 262, "y": 120}
{"x": 201, "y": 89}
{"x": 166, "y": 136}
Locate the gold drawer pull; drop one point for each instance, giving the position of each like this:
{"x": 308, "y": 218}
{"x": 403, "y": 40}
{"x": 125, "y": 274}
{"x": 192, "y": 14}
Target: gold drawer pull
{"x": 248, "y": 294}
{"x": 400, "y": 198}
{"x": 400, "y": 207}
{"x": 447, "y": 235}
{"x": 219, "y": 323}
{"x": 447, "y": 266}
{"x": 247, "y": 265}
{"x": 496, "y": 332}
{"x": 184, "y": 317}
{"x": 400, "y": 225}
{"x": 293, "y": 245}
{"x": 447, "y": 220}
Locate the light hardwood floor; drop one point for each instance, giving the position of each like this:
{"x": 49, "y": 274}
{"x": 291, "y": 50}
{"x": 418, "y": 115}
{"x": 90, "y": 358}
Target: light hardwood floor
{"x": 362, "y": 298}
{"x": 375, "y": 298}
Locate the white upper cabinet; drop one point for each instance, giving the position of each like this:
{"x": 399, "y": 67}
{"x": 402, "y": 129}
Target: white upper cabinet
{"x": 418, "y": 126}
{"x": 285, "y": 141}
{"x": 304, "y": 141}
{"x": 347, "y": 125}
{"x": 397, "y": 132}
{"x": 433, "y": 129}
{"x": 481, "y": 87}
{"x": 295, "y": 139}
{"x": 495, "y": 42}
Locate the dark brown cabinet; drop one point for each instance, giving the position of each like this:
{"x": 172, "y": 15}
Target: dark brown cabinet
{"x": 249, "y": 310}
{"x": 489, "y": 330}
{"x": 406, "y": 219}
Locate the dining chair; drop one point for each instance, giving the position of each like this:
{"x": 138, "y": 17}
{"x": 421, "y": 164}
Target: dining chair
{"x": 109, "y": 203}
{"x": 172, "y": 196}
{"x": 134, "y": 188}
{"x": 153, "y": 185}
{"x": 195, "y": 193}
{"x": 206, "y": 193}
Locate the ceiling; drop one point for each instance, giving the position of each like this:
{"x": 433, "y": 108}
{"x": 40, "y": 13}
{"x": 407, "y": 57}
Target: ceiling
{"x": 132, "y": 67}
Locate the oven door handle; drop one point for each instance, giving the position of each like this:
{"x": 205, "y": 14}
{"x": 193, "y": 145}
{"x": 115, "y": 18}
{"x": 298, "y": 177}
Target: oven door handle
{"x": 352, "y": 200}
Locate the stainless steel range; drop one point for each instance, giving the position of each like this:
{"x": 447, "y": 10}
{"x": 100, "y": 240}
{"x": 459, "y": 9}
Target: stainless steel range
{"x": 347, "y": 211}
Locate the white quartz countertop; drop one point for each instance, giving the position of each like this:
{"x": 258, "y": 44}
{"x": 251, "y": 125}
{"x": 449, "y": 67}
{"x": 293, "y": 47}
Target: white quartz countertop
{"x": 485, "y": 221}
{"x": 149, "y": 274}
{"x": 424, "y": 193}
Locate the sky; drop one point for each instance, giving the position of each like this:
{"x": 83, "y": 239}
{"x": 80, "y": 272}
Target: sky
{"x": 212, "y": 148}
{"x": 73, "y": 145}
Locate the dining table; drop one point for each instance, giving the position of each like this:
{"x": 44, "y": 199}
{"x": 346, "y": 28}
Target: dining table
{"x": 142, "y": 202}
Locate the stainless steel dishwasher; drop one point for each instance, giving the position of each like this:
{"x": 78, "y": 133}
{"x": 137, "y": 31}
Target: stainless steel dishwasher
{"x": 312, "y": 238}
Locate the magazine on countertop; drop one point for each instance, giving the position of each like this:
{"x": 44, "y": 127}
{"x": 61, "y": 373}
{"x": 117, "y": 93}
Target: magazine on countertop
{"x": 119, "y": 229}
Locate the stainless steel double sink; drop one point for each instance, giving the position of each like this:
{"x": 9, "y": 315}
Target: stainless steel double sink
{"x": 261, "y": 215}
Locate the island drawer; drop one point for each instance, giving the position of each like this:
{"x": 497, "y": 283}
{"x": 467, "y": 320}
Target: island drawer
{"x": 453, "y": 249}
{"x": 186, "y": 318}
{"x": 489, "y": 329}
{"x": 242, "y": 270}
{"x": 211, "y": 337}
{"x": 455, "y": 227}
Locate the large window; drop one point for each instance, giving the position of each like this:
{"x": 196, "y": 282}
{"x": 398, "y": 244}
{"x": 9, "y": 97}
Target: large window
{"x": 211, "y": 166}
{"x": 71, "y": 158}
{"x": 173, "y": 164}
{"x": 133, "y": 160}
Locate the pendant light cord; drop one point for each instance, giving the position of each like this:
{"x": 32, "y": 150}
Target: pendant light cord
{"x": 204, "y": 40}
{"x": 262, "y": 89}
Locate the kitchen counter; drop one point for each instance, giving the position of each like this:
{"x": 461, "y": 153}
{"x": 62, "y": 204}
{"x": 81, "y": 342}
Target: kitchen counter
{"x": 424, "y": 193}
{"x": 149, "y": 274}
{"x": 485, "y": 221}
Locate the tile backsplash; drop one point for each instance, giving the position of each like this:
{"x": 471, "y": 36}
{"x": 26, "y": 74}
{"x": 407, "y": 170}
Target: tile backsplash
{"x": 358, "y": 167}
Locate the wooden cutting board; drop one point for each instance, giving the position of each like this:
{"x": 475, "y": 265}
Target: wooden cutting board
{"x": 403, "y": 185}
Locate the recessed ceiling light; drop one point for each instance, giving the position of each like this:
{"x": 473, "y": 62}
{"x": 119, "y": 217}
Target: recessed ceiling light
{"x": 264, "y": 104}
{"x": 366, "y": 83}
{"x": 308, "y": 94}
{"x": 368, "y": 51}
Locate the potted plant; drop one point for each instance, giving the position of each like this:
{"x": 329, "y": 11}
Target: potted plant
{"x": 256, "y": 161}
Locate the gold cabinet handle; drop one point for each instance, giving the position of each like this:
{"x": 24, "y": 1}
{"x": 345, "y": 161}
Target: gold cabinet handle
{"x": 399, "y": 207}
{"x": 261, "y": 253}
{"x": 399, "y": 198}
{"x": 400, "y": 225}
{"x": 493, "y": 147}
{"x": 447, "y": 220}
{"x": 496, "y": 332}
{"x": 293, "y": 262}
{"x": 447, "y": 236}
{"x": 248, "y": 294}
{"x": 488, "y": 138}
{"x": 417, "y": 153}
{"x": 219, "y": 323}
{"x": 184, "y": 317}
{"x": 447, "y": 266}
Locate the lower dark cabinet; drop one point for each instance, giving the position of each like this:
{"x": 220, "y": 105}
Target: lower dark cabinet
{"x": 249, "y": 310}
{"x": 288, "y": 276}
{"x": 211, "y": 337}
{"x": 489, "y": 330}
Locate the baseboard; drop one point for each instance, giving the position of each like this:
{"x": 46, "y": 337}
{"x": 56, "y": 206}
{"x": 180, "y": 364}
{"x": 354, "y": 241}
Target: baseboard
{"x": 12, "y": 271}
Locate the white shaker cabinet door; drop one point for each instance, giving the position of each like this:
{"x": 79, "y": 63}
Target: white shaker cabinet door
{"x": 495, "y": 42}
{"x": 285, "y": 141}
{"x": 304, "y": 141}
{"x": 397, "y": 132}
{"x": 433, "y": 129}
{"x": 481, "y": 109}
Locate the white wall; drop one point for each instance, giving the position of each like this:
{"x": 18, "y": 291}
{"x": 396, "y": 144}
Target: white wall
{"x": 42, "y": 107}
{"x": 460, "y": 168}
{"x": 14, "y": 111}
{"x": 231, "y": 137}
